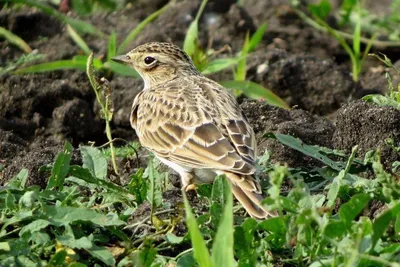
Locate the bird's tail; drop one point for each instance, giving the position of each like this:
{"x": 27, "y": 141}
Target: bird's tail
{"x": 248, "y": 192}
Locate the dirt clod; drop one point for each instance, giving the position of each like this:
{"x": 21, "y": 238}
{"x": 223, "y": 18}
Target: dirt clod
{"x": 299, "y": 123}
{"x": 368, "y": 126}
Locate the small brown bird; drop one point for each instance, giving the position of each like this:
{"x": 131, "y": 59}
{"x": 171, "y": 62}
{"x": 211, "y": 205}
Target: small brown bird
{"x": 193, "y": 124}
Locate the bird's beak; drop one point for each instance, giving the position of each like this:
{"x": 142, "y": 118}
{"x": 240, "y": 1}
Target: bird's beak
{"x": 123, "y": 59}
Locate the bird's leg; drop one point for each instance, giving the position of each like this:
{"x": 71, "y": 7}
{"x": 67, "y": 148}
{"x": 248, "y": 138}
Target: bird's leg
{"x": 188, "y": 181}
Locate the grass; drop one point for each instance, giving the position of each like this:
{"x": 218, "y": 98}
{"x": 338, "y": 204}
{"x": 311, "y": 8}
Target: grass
{"x": 392, "y": 98}
{"x": 321, "y": 11}
{"x": 81, "y": 218}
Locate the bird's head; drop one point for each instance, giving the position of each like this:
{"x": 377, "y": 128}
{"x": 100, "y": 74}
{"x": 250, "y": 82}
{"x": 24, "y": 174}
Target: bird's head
{"x": 158, "y": 62}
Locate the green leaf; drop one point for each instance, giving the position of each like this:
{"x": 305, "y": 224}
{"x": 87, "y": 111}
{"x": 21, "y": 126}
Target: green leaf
{"x": 15, "y": 40}
{"x": 190, "y": 44}
{"x": 78, "y": 40}
{"x": 256, "y": 91}
{"x": 307, "y": 150}
{"x": 34, "y": 226}
{"x": 219, "y": 64}
{"x": 241, "y": 69}
{"x": 85, "y": 175}
{"x": 382, "y": 222}
{"x": 144, "y": 257}
{"x": 218, "y": 199}
{"x": 350, "y": 210}
{"x": 186, "y": 260}
{"x": 60, "y": 168}
{"x": 60, "y": 215}
{"x": 58, "y": 259}
{"x": 85, "y": 243}
{"x": 382, "y": 100}
{"x": 132, "y": 34}
{"x": 200, "y": 250}
{"x": 112, "y": 46}
{"x": 154, "y": 194}
{"x": 222, "y": 250}
{"x": 28, "y": 199}
{"x": 121, "y": 69}
{"x": 95, "y": 161}
{"x": 320, "y": 10}
{"x": 75, "y": 63}
{"x": 19, "y": 180}
{"x": 173, "y": 239}
{"x": 257, "y": 37}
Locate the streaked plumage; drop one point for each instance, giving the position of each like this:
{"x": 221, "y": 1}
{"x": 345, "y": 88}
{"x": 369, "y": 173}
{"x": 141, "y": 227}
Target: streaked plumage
{"x": 193, "y": 124}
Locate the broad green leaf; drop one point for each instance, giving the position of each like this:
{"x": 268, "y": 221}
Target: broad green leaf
{"x": 15, "y": 40}
{"x": 190, "y": 44}
{"x": 34, "y": 226}
{"x": 19, "y": 180}
{"x": 28, "y": 199}
{"x": 144, "y": 257}
{"x": 222, "y": 250}
{"x": 132, "y": 34}
{"x": 78, "y": 40}
{"x": 186, "y": 260}
{"x": 382, "y": 222}
{"x": 154, "y": 194}
{"x": 350, "y": 210}
{"x": 60, "y": 168}
{"x": 85, "y": 175}
{"x": 98, "y": 252}
{"x": 219, "y": 64}
{"x": 200, "y": 250}
{"x": 257, "y": 37}
{"x": 58, "y": 258}
{"x": 173, "y": 239}
{"x": 94, "y": 160}
{"x": 320, "y": 10}
{"x": 256, "y": 91}
{"x": 382, "y": 100}
{"x": 60, "y": 215}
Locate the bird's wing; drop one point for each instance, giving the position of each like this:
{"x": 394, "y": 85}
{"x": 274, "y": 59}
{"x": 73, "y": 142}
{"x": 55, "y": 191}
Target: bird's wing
{"x": 185, "y": 126}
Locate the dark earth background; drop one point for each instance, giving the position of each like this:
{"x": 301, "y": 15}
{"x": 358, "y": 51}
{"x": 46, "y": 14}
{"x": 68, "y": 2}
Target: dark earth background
{"x": 308, "y": 69}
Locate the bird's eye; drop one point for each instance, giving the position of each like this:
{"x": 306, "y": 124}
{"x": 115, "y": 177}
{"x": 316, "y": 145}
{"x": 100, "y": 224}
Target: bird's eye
{"x": 149, "y": 60}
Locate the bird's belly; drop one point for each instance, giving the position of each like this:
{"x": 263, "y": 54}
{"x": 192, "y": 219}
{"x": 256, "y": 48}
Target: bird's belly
{"x": 204, "y": 176}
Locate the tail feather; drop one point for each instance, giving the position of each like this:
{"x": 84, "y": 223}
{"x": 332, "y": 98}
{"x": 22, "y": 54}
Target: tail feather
{"x": 250, "y": 199}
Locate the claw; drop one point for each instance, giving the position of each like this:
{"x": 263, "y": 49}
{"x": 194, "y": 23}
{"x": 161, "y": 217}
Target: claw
{"x": 190, "y": 187}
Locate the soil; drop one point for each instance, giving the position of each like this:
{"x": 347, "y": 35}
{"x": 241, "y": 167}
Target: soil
{"x": 308, "y": 69}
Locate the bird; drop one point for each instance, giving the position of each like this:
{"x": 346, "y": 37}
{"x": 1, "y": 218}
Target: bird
{"x": 193, "y": 124}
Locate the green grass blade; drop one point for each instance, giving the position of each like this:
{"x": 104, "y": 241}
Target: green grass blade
{"x": 240, "y": 73}
{"x": 121, "y": 69}
{"x": 200, "y": 250}
{"x": 257, "y": 37}
{"x": 78, "y": 40}
{"x": 78, "y": 25}
{"x": 132, "y": 35}
{"x": 191, "y": 38}
{"x": 222, "y": 250}
{"x": 15, "y": 40}
{"x": 219, "y": 64}
{"x": 112, "y": 46}
{"x": 78, "y": 62}
{"x": 256, "y": 91}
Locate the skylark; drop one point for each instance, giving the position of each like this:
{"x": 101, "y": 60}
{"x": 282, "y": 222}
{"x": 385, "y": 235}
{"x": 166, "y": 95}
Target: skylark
{"x": 193, "y": 124}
